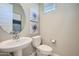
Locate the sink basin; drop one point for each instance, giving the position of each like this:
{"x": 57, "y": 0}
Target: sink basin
{"x": 16, "y": 45}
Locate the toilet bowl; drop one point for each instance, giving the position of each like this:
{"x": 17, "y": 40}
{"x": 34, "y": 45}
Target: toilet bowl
{"x": 41, "y": 49}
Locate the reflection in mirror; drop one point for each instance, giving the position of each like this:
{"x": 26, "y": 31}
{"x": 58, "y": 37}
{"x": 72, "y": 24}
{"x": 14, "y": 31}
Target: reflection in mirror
{"x": 16, "y": 23}
{"x": 12, "y": 17}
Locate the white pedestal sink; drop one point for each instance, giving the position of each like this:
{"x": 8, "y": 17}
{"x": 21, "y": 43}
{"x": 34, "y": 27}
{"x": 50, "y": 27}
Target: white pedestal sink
{"x": 16, "y": 45}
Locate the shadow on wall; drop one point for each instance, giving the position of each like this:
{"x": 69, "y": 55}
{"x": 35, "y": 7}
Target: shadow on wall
{"x": 4, "y": 35}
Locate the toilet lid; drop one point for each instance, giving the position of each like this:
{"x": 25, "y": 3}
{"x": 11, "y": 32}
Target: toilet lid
{"x": 45, "y": 48}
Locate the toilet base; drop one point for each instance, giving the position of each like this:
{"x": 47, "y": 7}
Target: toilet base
{"x": 43, "y": 54}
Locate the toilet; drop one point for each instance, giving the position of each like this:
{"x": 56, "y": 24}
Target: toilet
{"x": 41, "y": 49}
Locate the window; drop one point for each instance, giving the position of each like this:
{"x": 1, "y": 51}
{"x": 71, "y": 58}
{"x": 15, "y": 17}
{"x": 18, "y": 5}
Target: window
{"x": 48, "y": 7}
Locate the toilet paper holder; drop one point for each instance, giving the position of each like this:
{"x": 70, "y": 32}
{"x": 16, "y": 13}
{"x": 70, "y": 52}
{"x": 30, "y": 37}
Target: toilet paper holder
{"x": 53, "y": 41}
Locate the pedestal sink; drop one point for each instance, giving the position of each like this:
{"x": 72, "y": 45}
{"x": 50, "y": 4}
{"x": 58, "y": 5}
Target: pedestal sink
{"x": 16, "y": 45}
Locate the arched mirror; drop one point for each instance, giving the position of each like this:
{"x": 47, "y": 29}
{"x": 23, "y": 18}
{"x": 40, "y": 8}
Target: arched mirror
{"x": 12, "y": 17}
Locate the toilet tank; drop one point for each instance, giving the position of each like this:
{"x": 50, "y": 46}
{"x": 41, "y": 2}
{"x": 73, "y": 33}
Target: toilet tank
{"x": 36, "y": 41}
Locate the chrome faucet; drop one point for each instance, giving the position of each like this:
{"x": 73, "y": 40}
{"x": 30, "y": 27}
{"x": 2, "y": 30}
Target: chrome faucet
{"x": 15, "y": 35}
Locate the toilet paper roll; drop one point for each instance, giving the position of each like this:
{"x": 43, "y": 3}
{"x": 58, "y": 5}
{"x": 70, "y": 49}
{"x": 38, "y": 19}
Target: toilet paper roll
{"x": 53, "y": 41}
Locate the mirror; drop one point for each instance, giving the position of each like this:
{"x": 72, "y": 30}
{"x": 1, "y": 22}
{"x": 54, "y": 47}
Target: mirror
{"x": 12, "y": 17}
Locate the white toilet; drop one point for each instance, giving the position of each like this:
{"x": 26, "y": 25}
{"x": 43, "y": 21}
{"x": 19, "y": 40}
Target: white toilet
{"x": 41, "y": 50}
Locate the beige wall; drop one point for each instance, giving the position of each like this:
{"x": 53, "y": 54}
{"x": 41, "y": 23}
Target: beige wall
{"x": 61, "y": 25}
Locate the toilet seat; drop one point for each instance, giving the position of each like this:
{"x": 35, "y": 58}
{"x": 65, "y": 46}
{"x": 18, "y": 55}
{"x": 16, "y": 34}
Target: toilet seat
{"x": 45, "y": 49}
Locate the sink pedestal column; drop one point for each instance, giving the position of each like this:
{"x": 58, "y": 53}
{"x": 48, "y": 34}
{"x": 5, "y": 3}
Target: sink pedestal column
{"x": 18, "y": 52}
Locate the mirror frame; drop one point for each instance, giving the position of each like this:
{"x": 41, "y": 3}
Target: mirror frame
{"x": 20, "y": 18}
